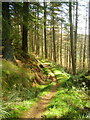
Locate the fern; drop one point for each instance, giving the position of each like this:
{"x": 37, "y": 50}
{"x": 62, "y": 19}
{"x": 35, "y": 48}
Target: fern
{"x": 3, "y": 112}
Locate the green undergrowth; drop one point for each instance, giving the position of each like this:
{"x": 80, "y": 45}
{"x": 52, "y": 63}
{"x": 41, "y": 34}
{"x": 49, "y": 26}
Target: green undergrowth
{"x": 14, "y": 108}
{"x": 18, "y": 93}
{"x": 83, "y": 80}
{"x": 44, "y": 89}
{"x": 70, "y": 102}
{"x": 46, "y": 71}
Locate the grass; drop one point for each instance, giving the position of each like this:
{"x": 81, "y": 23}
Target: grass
{"x": 18, "y": 93}
{"x": 88, "y": 77}
{"x": 45, "y": 89}
{"x": 14, "y": 108}
{"x": 70, "y": 101}
{"x": 16, "y": 77}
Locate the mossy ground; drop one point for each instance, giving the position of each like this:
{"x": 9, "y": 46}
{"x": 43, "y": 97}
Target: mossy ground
{"x": 70, "y": 100}
{"x": 18, "y": 91}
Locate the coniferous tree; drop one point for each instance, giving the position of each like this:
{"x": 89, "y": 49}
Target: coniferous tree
{"x": 45, "y": 41}
{"x": 25, "y": 27}
{"x": 71, "y": 37}
{"x": 75, "y": 37}
{"x": 53, "y": 33}
{"x": 89, "y": 41}
{"x": 84, "y": 43}
{"x": 6, "y": 27}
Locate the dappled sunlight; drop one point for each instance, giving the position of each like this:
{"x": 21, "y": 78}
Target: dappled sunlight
{"x": 68, "y": 101}
{"x": 88, "y": 77}
{"x": 40, "y": 107}
{"x": 58, "y": 98}
{"x": 45, "y": 60}
{"x": 57, "y": 72}
{"x": 18, "y": 88}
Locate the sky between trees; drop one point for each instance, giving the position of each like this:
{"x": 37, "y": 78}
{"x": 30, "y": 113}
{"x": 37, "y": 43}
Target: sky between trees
{"x": 49, "y": 30}
{"x": 83, "y": 8}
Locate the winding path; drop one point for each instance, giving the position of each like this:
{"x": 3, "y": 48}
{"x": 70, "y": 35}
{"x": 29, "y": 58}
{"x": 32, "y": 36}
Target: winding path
{"x": 38, "y": 110}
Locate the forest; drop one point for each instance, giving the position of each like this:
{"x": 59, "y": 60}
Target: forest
{"x": 45, "y": 60}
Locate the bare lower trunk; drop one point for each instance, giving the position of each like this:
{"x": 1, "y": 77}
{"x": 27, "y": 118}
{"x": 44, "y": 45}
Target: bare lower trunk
{"x": 7, "y": 42}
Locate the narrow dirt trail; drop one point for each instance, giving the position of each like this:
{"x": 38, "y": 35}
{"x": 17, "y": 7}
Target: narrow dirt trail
{"x": 38, "y": 110}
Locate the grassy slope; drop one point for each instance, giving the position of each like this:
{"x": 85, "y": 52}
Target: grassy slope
{"x": 70, "y": 101}
{"x": 18, "y": 91}
{"x": 19, "y": 95}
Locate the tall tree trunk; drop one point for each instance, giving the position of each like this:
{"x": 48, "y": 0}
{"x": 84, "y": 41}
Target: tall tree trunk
{"x": 45, "y": 41}
{"x": 75, "y": 37}
{"x": 37, "y": 42}
{"x": 61, "y": 46}
{"x": 89, "y": 41}
{"x": 58, "y": 45}
{"x": 68, "y": 57}
{"x": 67, "y": 53}
{"x": 6, "y": 25}
{"x": 54, "y": 45}
{"x": 25, "y": 28}
{"x": 53, "y": 33}
{"x": 35, "y": 36}
{"x": 42, "y": 43}
{"x": 84, "y": 45}
{"x": 32, "y": 41}
{"x": 80, "y": 55}
{"x": 71, "y": 37}
{"x": 51, "y": 46}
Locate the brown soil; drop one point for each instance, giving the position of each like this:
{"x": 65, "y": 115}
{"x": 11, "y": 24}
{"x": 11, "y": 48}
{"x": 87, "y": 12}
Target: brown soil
{"x": 38, "y": 110}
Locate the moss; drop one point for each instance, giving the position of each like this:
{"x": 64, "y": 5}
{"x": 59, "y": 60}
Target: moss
{"x": 70, "y": 101}
{"x": 18, "y": 93}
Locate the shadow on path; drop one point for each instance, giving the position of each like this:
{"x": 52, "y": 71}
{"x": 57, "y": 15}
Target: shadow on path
{"x": 38, "y": 110}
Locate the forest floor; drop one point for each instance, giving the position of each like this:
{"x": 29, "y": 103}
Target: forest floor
{"x": 38, "y": 110}
{"x": 39, "y": 89}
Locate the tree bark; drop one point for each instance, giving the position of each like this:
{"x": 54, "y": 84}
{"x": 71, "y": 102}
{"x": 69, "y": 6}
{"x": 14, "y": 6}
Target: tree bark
{"x": 61, "y": 47}
{"x": 89, "y": 41}
{"x": 45, "y": 41}
{"x": 6, "y": 27}
{"x": 75, "y": 37}
{"x": 53, "y": 34}
{"x": 37, "y": 42}
{"x": 71, "y": 37}
{"x": 84, "y": 45}
{"x": 25, "y": 28}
